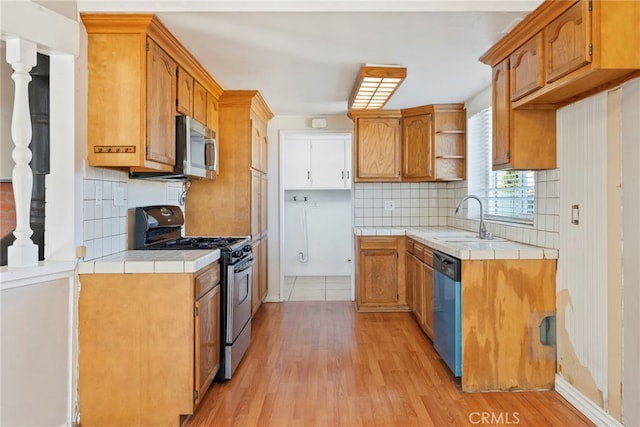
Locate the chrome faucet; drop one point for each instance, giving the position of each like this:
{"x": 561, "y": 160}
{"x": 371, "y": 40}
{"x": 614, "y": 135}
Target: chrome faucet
{"x": 482, "y": 231}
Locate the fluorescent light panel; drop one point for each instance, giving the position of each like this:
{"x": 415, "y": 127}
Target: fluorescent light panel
{"x": 375, "y": 85}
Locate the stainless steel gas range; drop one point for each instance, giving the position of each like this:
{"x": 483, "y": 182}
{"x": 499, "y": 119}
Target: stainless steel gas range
{"x": 160, "y": 227}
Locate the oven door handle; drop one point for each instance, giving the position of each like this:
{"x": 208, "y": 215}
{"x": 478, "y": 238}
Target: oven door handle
{"x": 245, "y": 265}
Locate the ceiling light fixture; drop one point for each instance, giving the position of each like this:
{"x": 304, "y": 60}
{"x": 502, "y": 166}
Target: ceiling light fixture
{"x": 374, "y": 86}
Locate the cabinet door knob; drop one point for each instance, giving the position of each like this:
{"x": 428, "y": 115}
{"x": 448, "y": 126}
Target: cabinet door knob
{"x": 308, "y": 174}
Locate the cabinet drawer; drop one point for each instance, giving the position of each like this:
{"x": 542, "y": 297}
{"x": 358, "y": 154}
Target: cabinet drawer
{"x": 410, "y": 246}
{"x": 206, "y": 279}
{"x": 418, "y": 251}
{"x": 427, "y": 256}
{"x": 378, "y": 243}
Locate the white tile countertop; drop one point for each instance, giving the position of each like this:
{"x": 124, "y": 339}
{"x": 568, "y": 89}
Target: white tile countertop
{"x": 151, "y": 261}
{"x": 463, "y": 244}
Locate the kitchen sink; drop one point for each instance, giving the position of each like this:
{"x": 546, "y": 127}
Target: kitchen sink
{"x": 460, "y": 237}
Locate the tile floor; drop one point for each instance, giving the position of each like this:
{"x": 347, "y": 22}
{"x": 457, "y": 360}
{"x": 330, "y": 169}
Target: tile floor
{"x": 317, "y": 288}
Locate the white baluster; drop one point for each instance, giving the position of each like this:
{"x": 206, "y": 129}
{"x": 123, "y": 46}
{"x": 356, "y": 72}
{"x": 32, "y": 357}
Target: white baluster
{"x": 22, "y": 56}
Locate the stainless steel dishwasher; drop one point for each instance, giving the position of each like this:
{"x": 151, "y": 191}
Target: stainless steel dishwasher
{"x": 447, "y": 316}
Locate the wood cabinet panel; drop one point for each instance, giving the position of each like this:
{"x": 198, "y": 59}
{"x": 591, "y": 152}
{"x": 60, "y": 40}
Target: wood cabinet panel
{"x": 499, "y": 354}
{"x": 199, "y": 103}
{"x": 259, "y": 144}
{"x": 501, "y": 152}
{"x": 184, "y": 101}
{"x": 212, "y": 113}
{"x": 142, "y": 342}
{"x": 418, "y": 289}
{"x": 420, "y": 284}
{"x": 377, "y": 149}
{"x": 417, "y": 148}
{"x": 527, "y": 68}
{"x": 207, "y": 340}
{"x": 264, "y": 196}
{"x": 161, "y": 123}
{"x": 567, "y": 41}
{"x": 256, "y": 247}
{"x": 263, "y": 270}
{"x": 381, "y": 274}
{"x": 427, "y": 321}
{"x": 380, "y": 270}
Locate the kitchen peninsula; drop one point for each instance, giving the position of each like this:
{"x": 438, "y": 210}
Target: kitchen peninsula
{"x": 507, "y": 299}
{"x": 148, "y": 335}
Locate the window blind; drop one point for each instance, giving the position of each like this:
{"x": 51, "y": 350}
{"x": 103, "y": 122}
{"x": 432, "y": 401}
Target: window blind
{"x": 507, "y": 195}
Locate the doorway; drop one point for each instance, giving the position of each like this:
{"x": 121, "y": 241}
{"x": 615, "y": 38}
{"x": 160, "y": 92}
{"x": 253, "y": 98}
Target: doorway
{"x": 316, "y": 220}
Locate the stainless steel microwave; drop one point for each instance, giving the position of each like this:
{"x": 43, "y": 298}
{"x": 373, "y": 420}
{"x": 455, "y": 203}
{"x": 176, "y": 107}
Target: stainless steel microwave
{"x": 196, "y": 153}
{"x": 196, "y": 149}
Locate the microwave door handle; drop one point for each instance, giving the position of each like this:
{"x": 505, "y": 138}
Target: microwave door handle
{"x": 210, "y": 154}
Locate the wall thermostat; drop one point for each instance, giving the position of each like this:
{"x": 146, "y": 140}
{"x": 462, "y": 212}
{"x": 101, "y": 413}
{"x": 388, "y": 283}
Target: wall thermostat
{"x": 318, "y": 123}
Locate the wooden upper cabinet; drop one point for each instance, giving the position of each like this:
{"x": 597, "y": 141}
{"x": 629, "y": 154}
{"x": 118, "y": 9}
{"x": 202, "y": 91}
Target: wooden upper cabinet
{"x": 161, "y": 123}
{"x": 199, "y": 103}
{"x": 522, "y": 139}
{"x": 212, "y": 113}
{"x": 259, "y": 145}
{"x": 184, "y": 101}
{"x": 501, "y": 115}
{"x": 133, "y": 63}
{"x": 527, "y": 68}
{"x": 587, "y": 46}
{"x": 378, "y": 152}
{"x": 417, "y": 148}
{"x": 568, "y": 41}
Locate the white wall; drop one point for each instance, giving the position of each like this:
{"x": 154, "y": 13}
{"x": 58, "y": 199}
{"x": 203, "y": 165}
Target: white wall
{"x": 631, "y": 251}
{"x": 35, "y": 378}
{"x": 329, "y": 232}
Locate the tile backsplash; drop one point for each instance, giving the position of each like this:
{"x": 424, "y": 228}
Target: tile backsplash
{"x": 433, "y": 204}
{"x": 109, "y": 201}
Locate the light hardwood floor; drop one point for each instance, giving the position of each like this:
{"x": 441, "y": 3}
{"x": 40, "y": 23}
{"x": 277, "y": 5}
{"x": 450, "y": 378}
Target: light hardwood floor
{"x": 323, "y": 364}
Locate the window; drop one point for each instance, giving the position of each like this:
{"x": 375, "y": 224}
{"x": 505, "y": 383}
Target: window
{"x": 507, "y": 195}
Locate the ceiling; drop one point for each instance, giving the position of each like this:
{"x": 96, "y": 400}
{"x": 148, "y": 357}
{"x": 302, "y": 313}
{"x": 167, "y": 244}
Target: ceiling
{"x": 304, "y": 55}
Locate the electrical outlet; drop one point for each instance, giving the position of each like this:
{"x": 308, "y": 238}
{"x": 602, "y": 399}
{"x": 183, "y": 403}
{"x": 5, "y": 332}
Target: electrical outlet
{"x": 389, "y": 205}
{"x": 118, "y": 196}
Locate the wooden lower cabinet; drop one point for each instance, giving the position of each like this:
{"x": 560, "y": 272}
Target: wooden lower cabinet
{"x": 259, "y": 278}
{"x": 380, "y": 274}
{"x": 427, "y": 280}
{"x": 148, "y": 345}
{"x": 504, "y": 302}
{"x": 420, "y": 281}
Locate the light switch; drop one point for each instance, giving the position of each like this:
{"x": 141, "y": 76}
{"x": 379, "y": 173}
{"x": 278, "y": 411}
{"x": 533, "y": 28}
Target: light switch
{"x": 575, "y": 214}
{"x": 99, "y": 194}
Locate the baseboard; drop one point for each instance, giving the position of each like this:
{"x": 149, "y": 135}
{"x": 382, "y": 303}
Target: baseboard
{"x": 583, "y": 404}
{"x": 270, "y": 298}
